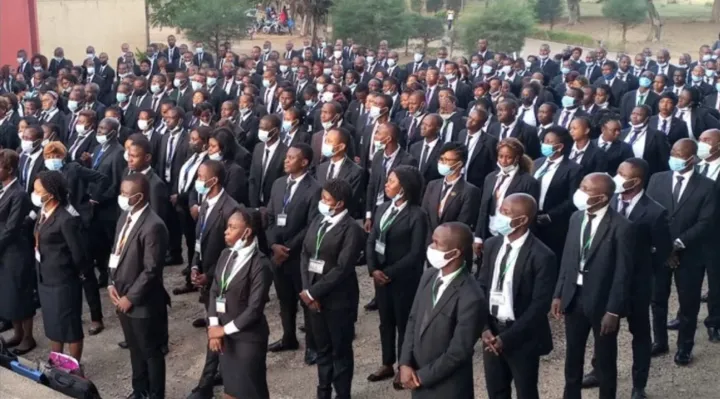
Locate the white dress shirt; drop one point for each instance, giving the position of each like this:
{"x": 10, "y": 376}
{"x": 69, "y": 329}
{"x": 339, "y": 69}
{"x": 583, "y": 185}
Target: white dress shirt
{"x": 171, "y": 148}
{"x": 4, "y": 188}
{"x": 547, "y": 177}
{"x": 687, "y": 175}
{"x": 336, "y": 165}
{"x": 499, "y": 192}
{"x": 294, "y": 186}
{"x": 133, "y": 219}
{"x": 687, "y": 118}
{"x": 638, "y": 146}
{"x": 529, "y": 115}
{"x": 509, "y": 128}
{"x": 599, "y": 215}
{"x": 575, "y": 151}
{"x": 668, "y": 124}
{"x": 713, "y": 168}
{"x": 430, "y": 146}
{"x": 444, "y": 282}
{"x": 631, "y": 204}
{"x": 505, "y": 306}
{"x": 190, "y": 168}
{"x": 31, "y": 163}
{"x": 386, "y": 215}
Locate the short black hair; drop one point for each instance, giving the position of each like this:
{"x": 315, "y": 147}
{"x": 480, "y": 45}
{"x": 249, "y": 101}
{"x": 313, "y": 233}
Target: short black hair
{"x": 217, "y": 169}
{"x": 273, "y": 119}
{"x": 142, "y": 181}
{"x": 564, "y": 136}
{"x": 340, "y": 190}
{"x": 55, "y": 184}
{"x": 345, "y": 136}
{"x": 641, "y": 165}
{"x": 9, "y": 160}
{"x": 139, "y": 140}
{"x": 149, "y": 112}
{"x": 458, "y": 148}
{"x": 305, "y": 150}
{"x": 411, "y": 182}
{"x": 671, "y": 96}
{"x": 204, "y": 133}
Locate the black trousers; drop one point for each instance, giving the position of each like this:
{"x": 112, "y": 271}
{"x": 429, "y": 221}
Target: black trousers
{"x": 577, "y": 329}
{"x": 148, "y": 363}
{"x": 688, "y": 282}
{"x": 713, "y": 302}
{"x": 501, "y": 371}
{"x": 187, "y": 225}
{"x": 333, "y": 331}
{"x": 92, "y": 295}
{"x": 173, "y": 224}
{"x": 102, "y": 237}
{"x": 288, "y": 285}
{"x": 394, "y": 303}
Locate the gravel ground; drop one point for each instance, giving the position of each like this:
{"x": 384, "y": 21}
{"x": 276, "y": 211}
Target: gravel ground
{"x": 109, "y": 366}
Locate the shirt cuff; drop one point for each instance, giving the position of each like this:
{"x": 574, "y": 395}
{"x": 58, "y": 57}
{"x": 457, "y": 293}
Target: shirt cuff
{"x": 309, "y": 296}
{"x": 612, "y": 314}
{"x": 230, "y": 328}
{"x": 678, "y": 243}
{"x": 32, "y": 215}
{"x": 214, "y": 321}
{"x": 196, "y": 267}
{"x": 368, "y": 215}
{"x": 478, "y": 240}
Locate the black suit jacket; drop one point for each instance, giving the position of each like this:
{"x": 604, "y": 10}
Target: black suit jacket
{"x": 522, "y": 182}
{"x": 460, "y": 205}
{"x": 112, "y": 164}
{"x": 259, "y": 183}
{"x": 523, "y": 132}
{"x": 558, "y": 202}
{"x": 702, "y": 120}
{"x": 179, "y": 156}
{"x": 349, "y": 172}
{"x": 550, "y": 69}
{"x": 79, "y": 179}
{"x": 63, "y": 251}
{"x": 676, "y": 130}
{"x": 378, "y": 175}
{"x": 37, "y": 167}
{"x": 139, "y": 275}
{"x": 439, "y": 340}
{"x": 594, "y": 159}
{"x": 616, "y": 153}
{"x": 206, "y": 57}
{"x": 560, "y": 117}
{"x": 428, "y": 170}
{"x": 452, "y": 126}
{"x": 57, "y": 66}
{"x": 175, "y": 59}
{"x": 629, "y": 101}
{"x": 618, "y": 89}
{"x": 656, "y": 152}
{"x": 532, "y": 291}
{"x": 483, "y": 159}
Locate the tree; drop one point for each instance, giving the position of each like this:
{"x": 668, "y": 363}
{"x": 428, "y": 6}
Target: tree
{"x": 716, "y": 11}
{"x": 573, "y": 11}
{"x": 424, "y": 28}
{"x": 505, "y": 24}
{"x": 164, "y": 13}
{"x": 370, "y": 22}
{"x": 655, "y": 22}
{"x": 626, "y": 13}
{"x": 316, "y": 13}
{"x": 213, "y": 22}
{"x": 548, "y": 11}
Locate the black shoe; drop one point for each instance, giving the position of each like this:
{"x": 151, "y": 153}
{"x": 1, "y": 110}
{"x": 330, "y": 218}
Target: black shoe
{"x": 704, "y": 298}
{"x": 590, "y": 380}
{"x": 123, "y": 345}
{"x": 280, "y": 346}
{"x": 135, "y": 395}
{"x": 22, "y": 351}
{"x": 683, "y": 357}
{"x": 5, "y": 326}
{"x": 199, "y": 323}
{"x": 96, "y": 330}
{"x": 302, "y": 329}
{"x": 310, "y": 357}
{"x": 713, "y": 334}
{"x": 184, "y": 290}
{"x": 673, "y": 324}
{"x": 217, "y": 379}
{"x": 638, "y": 393}
{"x": 371, "y": 306}
{"x": 173, "y": 260}
{"x": 201, "y": 393}
{"x": 659, "y": 349}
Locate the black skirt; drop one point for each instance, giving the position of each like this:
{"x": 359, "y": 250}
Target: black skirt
{"x": 244, "y": 369}
{"x": 62, "y": 311}
{"x": 17, "y": 283}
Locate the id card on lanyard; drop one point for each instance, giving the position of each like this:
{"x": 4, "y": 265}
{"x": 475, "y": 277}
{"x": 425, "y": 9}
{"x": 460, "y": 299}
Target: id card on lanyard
{"x": 379, "y": 243}
{"x": 316, "y": 265}
{"x": 584, "y": 252}
{"x": 225, "y": 282}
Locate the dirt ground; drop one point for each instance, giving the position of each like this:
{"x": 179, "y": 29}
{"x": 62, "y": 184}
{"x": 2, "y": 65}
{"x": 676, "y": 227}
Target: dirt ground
{"x": 109, "y": 366}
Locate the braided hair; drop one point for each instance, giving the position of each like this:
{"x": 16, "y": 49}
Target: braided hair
{"x": 55, "y": 184}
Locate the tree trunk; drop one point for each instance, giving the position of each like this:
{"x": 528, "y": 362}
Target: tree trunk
{"x": 147, "y": 23}
{"x": 423, "y": 6}
{"x": 407, "y": 46}
{"x": 655, "y": 22}
{"x": 408, "y": 5}
{"x": 716, "y": 11}
{"x": 573, "y": 11}
{"x": 313, "y": 28}
{"x": 624, "y": 33}
{"x": 552, "y": 22}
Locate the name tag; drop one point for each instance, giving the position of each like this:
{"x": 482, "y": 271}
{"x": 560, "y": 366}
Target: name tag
{"x": 37, "y": 256}
{"x": 579, "y": 280}
{"x": 316, "y": 266}
{"x": 497, "y": 298}
{"x": 380, "y": 198}
{"x": 220, "y": 305}
{"x": 113, "y": 262}
{"x": 380, "y": 247}
{"x": 281, "y": 220}
{"x": 197, "y": 246}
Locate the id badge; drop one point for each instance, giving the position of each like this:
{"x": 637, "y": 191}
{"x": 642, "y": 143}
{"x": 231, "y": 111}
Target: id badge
{"x": 197, "y": 247}
{"x": 579, "y": 280}
{"x": 380, "y": 247}
{"x": 114, "y": 260}
{"x": 37, "y": 256}
{"x": 380, "y": 199}
{"x": 497, "y": 298}
{"x": 281, "y": 220}
{"x": 316, "y": 266}
{"x": 220, "y": 305}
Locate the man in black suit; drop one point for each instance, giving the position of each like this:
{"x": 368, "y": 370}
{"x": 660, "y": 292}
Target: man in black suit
{"x": 662, "y": 65}
{"x": 617, "y": 86}
{"x": 646, "y": 142}
{"x": 547, "y": 66}
{"x": 139, "y": 160}
{"x": 292, "y": 205}
{"x": 172, "y": 53}
{"x": 462, "y": 91}
{"x": 432, "y": 100}
{"x": 417, "y": 111}
{"x": 427, "y": 151}
{"x": 436, "y": 356}
{"x": 644, "y": 95}
{"x": 136, "y": 286}
{"x": 690, "y": 199}
{"x": 591, "y": 290}
{"x": 31, "y": 157}
{"x": 652, "y": 248}
{"x": 340, "y": 166}
{"x": 665, "y": 121}
{"x": 182, "y": 93}
{"x": 508, "y": 125}
{"x": 59, "y": 62}
{"x": 571, "y": 107}
{"x": 202, "y": 56}
{"x": 451, "y": 198}
{"x": 616, "y": 150}
{"x": 481, "y": 148}
{"x": 517, "y": 275}
{"x": 267, "y": 161}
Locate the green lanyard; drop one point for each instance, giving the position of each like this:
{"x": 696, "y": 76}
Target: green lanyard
{"x": 503, "y": 270}
{"x": 388, "y": 222}
{"x": 586, "y": 244}
{"x": 225, "y": 280}
{"x": 434, "y": 292}
{"x": 319, "y": 239}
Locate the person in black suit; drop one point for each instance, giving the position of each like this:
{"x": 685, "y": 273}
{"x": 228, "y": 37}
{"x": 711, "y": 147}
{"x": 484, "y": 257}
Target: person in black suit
{"x": 690, "y": 199}
{"x": 417, "y": 111}
{"x": 665, "y": 121}
{"x": 171, "y": 52}
{"x": 592, "y": 287}
{"x": 238, "y": 329}
{"x": 618, "y": 88}
{"x": 139, "y": 160}
{"x": 340, "y": 166}
{"x": 292, "y": 205}
{"x": 62, "y": 258}
{"x": 584, "y": 151}
{"x": 642, "y": 96}
{"x": 146, "y": 126}
{"x": 513, "y": 177}
{"x": 481, "y": 148}
{"x": 451, "y": 198}
{"x": 224, "y": 148}
{"x": 267, "y": 161}
{"x": 693, "y": 114}
{"x": 647, "y": 143}
{"x": 616, "y": 150}
{"x": 436, "y": 357}
{"x": 509, "y": 126}
{"x": 427, "y": 151}
{"x": 652, "y": 248}
{"x": 517, "y": 275}
{"x": 571, "y": 108}
{"x": 330, "y": 287}
{"x": 558, "y": 177}
{"x": 31, "y": 159}
{"x": 59, "y": 62}
{"x": 201, "y": 56}
{"x": 16, "y": 259}
{"x": 698, "y": 80}
{"x": 136, "y": 286}
{"x": 547, "y": 66}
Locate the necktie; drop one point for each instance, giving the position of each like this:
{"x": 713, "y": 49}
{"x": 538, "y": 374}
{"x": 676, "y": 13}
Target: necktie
{"x": 186, "y": 172}
{"x": 704, "y": 169}
{"x": 288, "y": 139}
{"x": 99, "y": 157}
{"x": 664, "y": 126}
{"x": 503, "y": 268}
{"x": 542, "y": 64}
{"x": 605, "y": 146}
{"x": 26, "y": 166}
{"x": 155, "y": 102}
{"x": 386, "y": 162}
{"x": 499, "y": 185}
{"x": 436, "y": 289}
{"x": 565, "y": 119}
{"x": 265, "y": 161}
{"x": 170, "y": 151}
{"x": 411, "y": 130}
{"x": 542, "y": 172}
{"x": 682, "y": 115}
{"x": 676, "y": 190}
{"x": 623, "y": 207}
{"x": 504, "y": 133}
{"x": 640, "y": 99}
{"x": 288, "y": 192}
{"x": 428, "y": 96}
{"x": 634, "y": 137}
{"x": 586, "y": 236}
{"x": 426, "y": 154}
{"x": 331, "y": 171}
{"x": 123, "y": 236}
{"x": 522, "y": 113}
{"x": 74, "y": 147}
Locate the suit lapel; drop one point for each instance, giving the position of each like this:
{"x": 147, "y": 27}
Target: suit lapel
{"x": 214, "y": 213}
{"x": 689, "y": 189}
{"x": 599, "y": 235}
{"x": 450, "y": 292}
{"x": 132, "y": 233}
{"x": 455, "y": 192}
{"x": 521, "y": 263}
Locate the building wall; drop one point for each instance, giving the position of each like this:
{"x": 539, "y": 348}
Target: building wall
{"x": 17, "y": 29}
{"x": 76, "y": 24}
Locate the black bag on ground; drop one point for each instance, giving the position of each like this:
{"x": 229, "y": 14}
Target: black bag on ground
{"x": 71, "y": 385}
{"x": 5, "y": 355}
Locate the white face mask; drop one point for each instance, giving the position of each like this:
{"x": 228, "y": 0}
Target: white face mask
{"x": 124, "y": 203}
{"x": 215, "y": 157}
{"x": 142, "y": 124}
{"x": 36, "y": 200}
{"x": 212, "y": 81}
{"x": 507, "y": 169}
{"x": 263, "y": 135}
{"x": 325, "y": 209}
{"x": 91, "y": 70}
{"x": 337, "y": 54}
{"x": 418, "y": 57}
{"x": 27, "y": 145}
{"x": 370, "y": 59}
{"x": 320, "y": 87}
{"x": 126, "y": 156}
{"x": 101, "y": 139}
{"x": 580, "y": 199}
{"x": 436, "y": 258}
{"x": 391, "y": 62}
{"x": 327, "y": 97}
{"x": 196, "y": 85}
{"x": 283, "y": 68}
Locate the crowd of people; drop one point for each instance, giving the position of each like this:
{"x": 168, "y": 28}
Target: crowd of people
{"x": 482, "y": 195}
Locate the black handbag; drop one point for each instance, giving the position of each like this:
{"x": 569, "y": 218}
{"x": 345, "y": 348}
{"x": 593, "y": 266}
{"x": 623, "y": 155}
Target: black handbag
{"x": 6, "y": 356}
{"x": 71, "y": 385}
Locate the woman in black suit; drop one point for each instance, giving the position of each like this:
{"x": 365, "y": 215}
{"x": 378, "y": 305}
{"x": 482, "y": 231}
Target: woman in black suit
{"x": 61, "y": 258}
{"x": 238, "y": 327}
{"x": 223, "y": 147}
{"x": 514, "y": 177}
{"x": 584, "y": 151}
{"x": 395, "y": 254}
{"x": 16, "y": 258}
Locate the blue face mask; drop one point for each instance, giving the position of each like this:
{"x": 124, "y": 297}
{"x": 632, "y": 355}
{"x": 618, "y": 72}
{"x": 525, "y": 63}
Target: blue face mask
{"x": 609, "y": 76}
{"x": 565, "y": 70}
{"x": 286, "y": 126}
{"x": 696, "y": 78}
{"x": 502, "y": 224}
{"x": 445, "y": 170}
{"x": 201, "y": 188}
{"x": 54, "y": 164}
{"x": 546, "y": 149}
{"x": 568, "y": 102}
{"x": 645, "y": 82}
{"x": 677, "y": 164}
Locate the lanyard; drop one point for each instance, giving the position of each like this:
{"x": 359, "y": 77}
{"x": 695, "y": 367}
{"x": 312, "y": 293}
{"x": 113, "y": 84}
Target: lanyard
{"x": 434, "y": 286}
{"x": 388, "y": 222}
{"x": 586, "y": 244}
{"x": 503, "y": 270}
{"x": 320, "y": 238}
{"x": 225, "y": 281}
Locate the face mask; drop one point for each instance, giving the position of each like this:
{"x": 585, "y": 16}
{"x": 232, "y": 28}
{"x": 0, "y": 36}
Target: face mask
{"x": 212, "y": 81}
{"x": 696, "y": 78}
{"x": 325, "y": 209}
{"x": 327, "y": 71}
{"x": 645, "y": 82}
{"x": 568, "y": 102}
{"x": 450, "y": 76}
{"x": 506, "y": 69}
{"x": 121, "y": 97}
{"x": 391, "y": 62}
{"x": 327, "y": 150}
{"x": 546, "y": 149}
{"x": 72, "y": 105}
{"x": 507, "y": 169}
{"x": 126, "y": 156}
{"x": 580, "y": 199}
{"x": 709, "y": 73}
{"x": 379, "y": 146}
{"x": 101, "y": 139}
{"x": 286, "y": 126}
{"x": 565, "y": 70}
{"x": 445, "y": 170}
{"x": 53, "y": 164}
{"x": 327, "y": 97}
{"x": 91, "y": 70}
{"x": 283, "y": 68}
{"x": 474, "y": 65}
{"x": 215, "y": 157}
{"x": 201, "y": 188}
{"x": 503, "y": 224}
{"x": 717, "y": 86}
{"x": 676, "y": 164}
{"x": 327, "y": 125}
{"x": 36, "y": 200}
{"x": 80, "y": 129}
{"x": 310, "y": 103}
{"x": 142, "y": 124}
{"x": 543, "y": 56}
{"x": 418, "y": 57}
{"x": 374, "y": 112}
{"x": 370, "y": 59}
{"x": 320, "y": 87}
{"x": 20, "y": 60}
{"x": 398, "y": 196}
{"x": 662, "y": 65}
{"x": 263, "y": 135}
{"x": 198, "y": 50}
{"x": 609, "y": 76}
{"x": 27, "y": 145}
{"x": 38, "y": 68}
{"x": 196, "y": 86}
{"x": 124, "y": 203}
{"x": 704, "y": 150}
{"x": 294, "y": 69}
{"x": 337, "y": 54}
{"x": 436, "y": 258}
{"x": 487, "y": 69}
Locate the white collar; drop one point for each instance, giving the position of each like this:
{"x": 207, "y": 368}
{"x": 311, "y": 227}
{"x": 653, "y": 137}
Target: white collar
{"x": 298, "y": 180}
{"x": 212, "y": 201}
{"x": 687, "y": 175}
{"x": 600, "y": 213}
{"x": 634, "y": 200}
{"x": 333, "y": 220}
{"x": 4, "y": 188}
{"x": 711, "y": 163}
{"x": 517, "y": 243}
{"x": 392, "y": 156}
{"x": 135, "y": 216}
{"x": 399, "y": 208}
{"x": 272, "y": 146}
{"x": 576, "y": 148}
{"x": 145, "y": 172}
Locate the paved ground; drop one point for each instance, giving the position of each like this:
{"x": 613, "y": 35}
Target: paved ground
{"x": 109, "y": 367}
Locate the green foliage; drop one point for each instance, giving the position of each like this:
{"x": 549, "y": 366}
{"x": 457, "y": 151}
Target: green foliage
{"x": 370, "y": 21}
{"x": 626, "y": 13}
{"x": 424, "y": 28}
{"x": 575, "y": 39}
{"x": 164, "y": 12}
{"x": 505, "y": 24}
{"x": 434, "y": 5}
{"x": 213, "y": 21}
{"x": 549, "y": 11}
